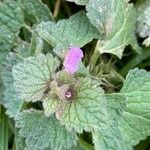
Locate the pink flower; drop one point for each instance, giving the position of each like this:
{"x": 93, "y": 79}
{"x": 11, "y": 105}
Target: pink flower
{"x": 72, "y": 59}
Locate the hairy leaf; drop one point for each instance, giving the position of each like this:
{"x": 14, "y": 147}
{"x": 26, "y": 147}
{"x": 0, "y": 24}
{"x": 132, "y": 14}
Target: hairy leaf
{"x": 11, "y": 16}
{"x": 115, "y": 20}
{"x": 32, "y": 76}
{"x": 110, "y": 139}
{"x": 10, "y": 100}
{"x": 77, "y": 30}
{"x": 35, "y": 9}
{"x": 38, "y": 45}
{"x": 11, "y": 20}
{"x": 86, "y": 111}
{"x": 62, "y": 48}
{"x": 77, "y": 147}
{"x": 42, "y": 132}
{"x": 7, "y": 40}
{"x": 135, "y": 122}
{"x": 116, "y": 105}
{"x": 22, "y": 49}
{"x": 1, "y": 91}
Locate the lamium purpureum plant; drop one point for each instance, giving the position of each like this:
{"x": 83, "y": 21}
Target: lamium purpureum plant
{"x": 74, "y": 83}
{"x": 63, "y": 86}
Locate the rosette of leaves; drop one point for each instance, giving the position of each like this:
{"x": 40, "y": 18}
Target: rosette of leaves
{"x": 78, "y": 102}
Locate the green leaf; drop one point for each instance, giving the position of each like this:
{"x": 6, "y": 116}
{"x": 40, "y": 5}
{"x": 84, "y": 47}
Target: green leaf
{"x": 135, "y": 121}
{"x": 79, "y": 2}
{"x": 42, "y": 132}
{"x": 77, "y": 30}
{"x": 62, "y": 48}
{"x": 76, "y": 148}
{"x": 33, "y": 75}
{"x": 110, "y": 139}
{"x": 1, "y": 91}
{"x": 83, "y": 71}
{"x": 116, "y": 105}
{"x": 38, "y": 45}
{"x": 19, "y": 141}
{"x": 7, "y": 40}
{"x": 143, "y": 22}
{"x": 11, "y": 20}
{"x": 115, "y": 20}
{"x": 87, "y": 109}
{"x": 22, "y": 49}
{"x": 10, "y": 100}
{"x": 11, "y": 16}
{"x": 35, "y": 10}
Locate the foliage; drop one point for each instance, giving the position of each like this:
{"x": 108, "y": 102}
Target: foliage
{"x": 65, "y": 79}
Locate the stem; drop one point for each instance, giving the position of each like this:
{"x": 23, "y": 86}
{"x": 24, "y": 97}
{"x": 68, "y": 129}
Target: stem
{"x": 94, "y": 58}
{"x": 135, "y": 61}
{"x": 68, "y": 11}
{"x": 56, "y": 9}
{"x": 4, "y": 129}
{"x": 11, "y": 125}
{"x": 17, "y": 147}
